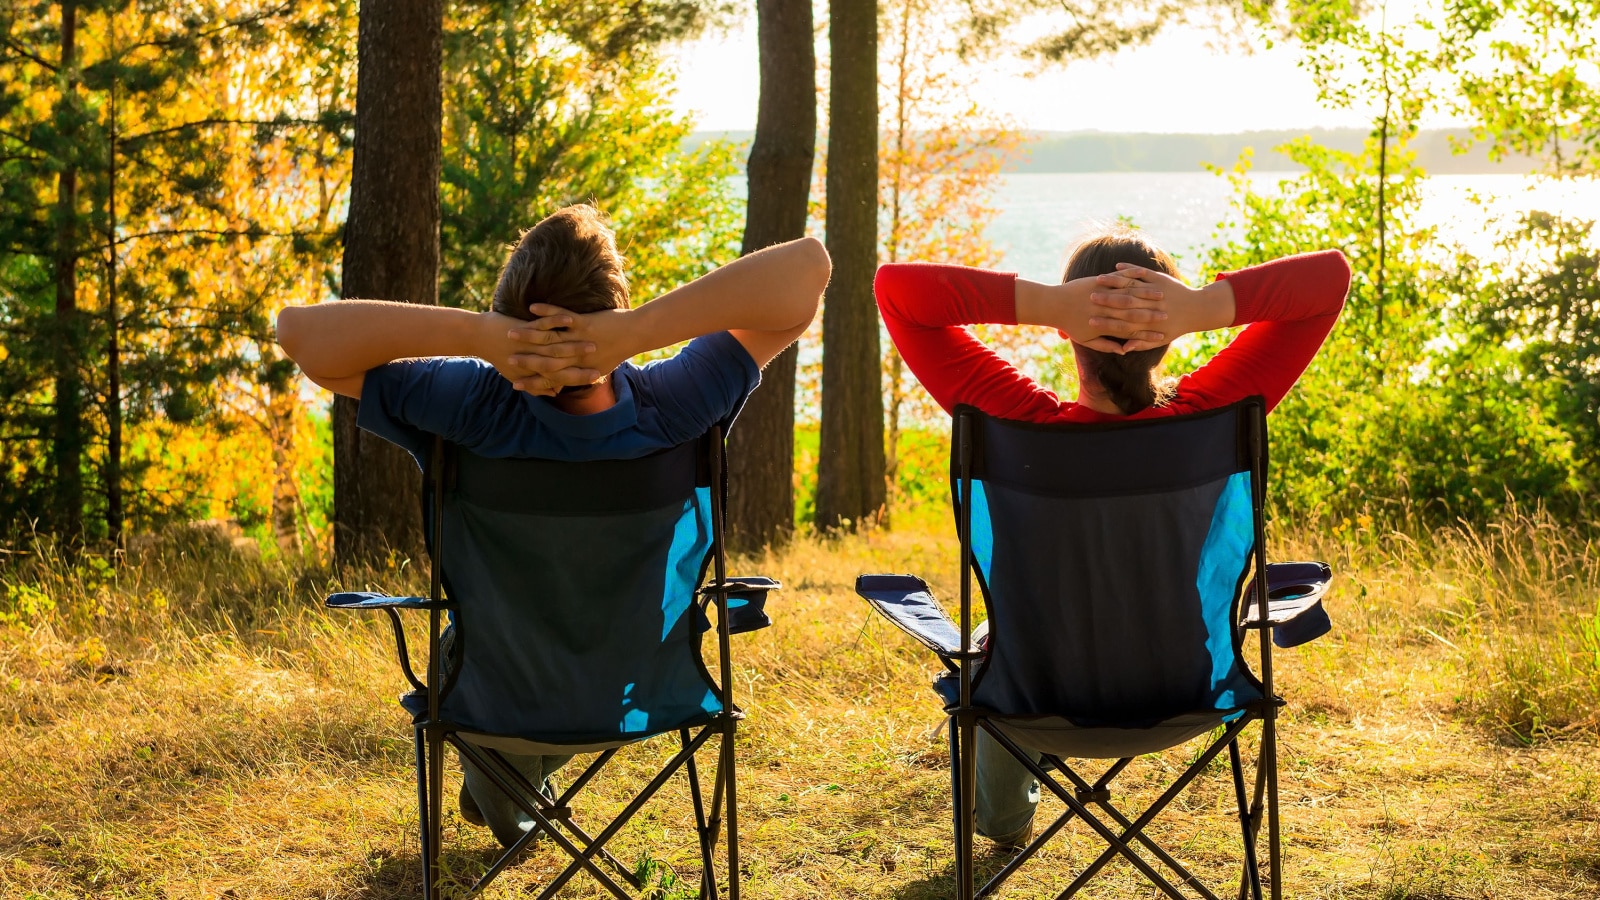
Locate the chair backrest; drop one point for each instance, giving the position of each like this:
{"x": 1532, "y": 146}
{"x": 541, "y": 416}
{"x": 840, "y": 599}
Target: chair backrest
{"x": 1112, "y": 560}
{"x": 575, "y": 587}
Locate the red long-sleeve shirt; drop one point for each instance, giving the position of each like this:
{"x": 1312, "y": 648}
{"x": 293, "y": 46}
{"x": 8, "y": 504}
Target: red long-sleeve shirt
{"x": 1289, "y": 304}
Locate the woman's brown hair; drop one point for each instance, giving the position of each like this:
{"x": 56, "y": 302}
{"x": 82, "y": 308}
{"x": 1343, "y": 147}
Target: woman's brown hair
{"x": 1128, "y": 380}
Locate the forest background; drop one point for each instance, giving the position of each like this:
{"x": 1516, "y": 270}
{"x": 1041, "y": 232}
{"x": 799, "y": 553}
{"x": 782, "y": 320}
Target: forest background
{"x": 171, "y": 175}
{"x": 174, "y": 176}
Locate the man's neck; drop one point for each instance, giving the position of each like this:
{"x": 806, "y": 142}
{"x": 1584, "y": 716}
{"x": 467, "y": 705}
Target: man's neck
{"x": 587, "y": 402}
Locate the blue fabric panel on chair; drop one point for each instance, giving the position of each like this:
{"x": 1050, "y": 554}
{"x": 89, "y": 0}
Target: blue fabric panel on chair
{"x": 1224, "y": 557}
{"x": 982, "y": 529}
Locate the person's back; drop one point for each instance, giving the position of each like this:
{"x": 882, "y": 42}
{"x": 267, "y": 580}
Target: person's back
{"x": 1120, "y": 304}
{"x": 545, "y": 374}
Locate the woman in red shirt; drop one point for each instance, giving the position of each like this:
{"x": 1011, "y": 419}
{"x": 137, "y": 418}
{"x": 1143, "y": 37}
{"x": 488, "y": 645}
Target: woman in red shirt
{"x": 1116, "y": 284}
{"x": 1120, "y": 303}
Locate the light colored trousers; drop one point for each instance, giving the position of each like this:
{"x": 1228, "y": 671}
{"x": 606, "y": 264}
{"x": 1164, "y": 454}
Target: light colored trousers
{"x": 1008, "y": 793}
{"x": 506, "y": 819}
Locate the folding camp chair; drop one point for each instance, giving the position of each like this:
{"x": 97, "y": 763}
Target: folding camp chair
{"x": 1113, "y": 561}
{"x": 573, "y": 592}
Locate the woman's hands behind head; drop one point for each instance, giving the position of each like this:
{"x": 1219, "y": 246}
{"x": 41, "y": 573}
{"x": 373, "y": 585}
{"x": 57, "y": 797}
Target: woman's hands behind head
{"x": 1126, "y": 294}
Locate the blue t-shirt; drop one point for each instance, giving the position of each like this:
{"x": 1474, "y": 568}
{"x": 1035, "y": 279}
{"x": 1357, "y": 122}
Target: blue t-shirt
{"x": 660, "y": 404}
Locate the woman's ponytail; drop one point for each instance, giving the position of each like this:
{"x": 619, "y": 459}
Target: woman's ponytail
{"x": 1129, "y": 380}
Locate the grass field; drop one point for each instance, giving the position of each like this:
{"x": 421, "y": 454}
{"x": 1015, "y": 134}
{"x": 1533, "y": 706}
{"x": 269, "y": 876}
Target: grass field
{"x": 193, "y": 725}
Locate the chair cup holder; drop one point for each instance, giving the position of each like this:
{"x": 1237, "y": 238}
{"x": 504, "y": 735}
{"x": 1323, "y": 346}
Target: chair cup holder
{"x": 747, "y": 611}
{"x": 1294, "y": 602}
{"x": 747, "y": 603}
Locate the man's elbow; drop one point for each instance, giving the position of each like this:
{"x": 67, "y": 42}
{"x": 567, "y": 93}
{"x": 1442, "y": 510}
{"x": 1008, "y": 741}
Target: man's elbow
{"x": 808, "y": 279}
{"x": 291, "y": 330}
{"x": 818, "y": 265}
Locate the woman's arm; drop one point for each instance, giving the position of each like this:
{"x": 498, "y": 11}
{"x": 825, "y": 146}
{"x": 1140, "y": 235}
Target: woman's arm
{"x": 927, "y": 307}
{"x": 1289, "y": 305}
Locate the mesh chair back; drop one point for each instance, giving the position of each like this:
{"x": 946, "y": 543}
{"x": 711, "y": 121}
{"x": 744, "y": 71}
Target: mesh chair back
{"x": 574, "y": 586}
{"x": 1112, "y": 559}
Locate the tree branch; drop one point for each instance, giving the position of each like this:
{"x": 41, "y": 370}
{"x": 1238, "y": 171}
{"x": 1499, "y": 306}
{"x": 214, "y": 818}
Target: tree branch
{"x": 16, "y": 48}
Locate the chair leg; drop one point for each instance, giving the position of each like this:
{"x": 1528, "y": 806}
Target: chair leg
{"x": 732, "y": 809}
{"x": 1269, "y": 752}
{"x": 708, "y": 883}
{"x": 967, "y": 807}
{"x": 1252, "y": 875}
{"x": 427, "y": 816}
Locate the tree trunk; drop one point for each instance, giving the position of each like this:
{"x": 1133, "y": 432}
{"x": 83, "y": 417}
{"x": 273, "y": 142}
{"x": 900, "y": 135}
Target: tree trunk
{"x": 280, "y": 420}
{"x": 391, "y": 252}
{"x": 761, "y": 448}
{"x": 850, "y": 485}
{"x": 113, "y": 476}
{"x": 67, "y": 447}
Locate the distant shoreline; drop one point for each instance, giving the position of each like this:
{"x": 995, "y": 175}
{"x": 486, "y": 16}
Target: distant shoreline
{"x": 1097, "y": 151}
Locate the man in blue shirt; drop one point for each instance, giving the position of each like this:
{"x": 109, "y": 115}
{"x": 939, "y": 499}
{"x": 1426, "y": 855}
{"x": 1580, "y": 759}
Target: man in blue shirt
{"x": 546, "y": 372}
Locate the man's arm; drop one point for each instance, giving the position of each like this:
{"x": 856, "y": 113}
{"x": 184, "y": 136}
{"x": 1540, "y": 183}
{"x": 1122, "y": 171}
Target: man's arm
{"x": 765, "y": 300}
{"x": 336, "y": 343}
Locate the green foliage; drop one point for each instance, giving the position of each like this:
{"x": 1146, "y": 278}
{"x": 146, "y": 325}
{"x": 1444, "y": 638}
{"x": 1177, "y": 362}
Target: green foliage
{"x": 537, "y": 117}
{"x": 140, "y": 213}
{"x": 1416, "y": 411}
{"x": 1451, "y": 385}
{"x": 1528, "y": 72}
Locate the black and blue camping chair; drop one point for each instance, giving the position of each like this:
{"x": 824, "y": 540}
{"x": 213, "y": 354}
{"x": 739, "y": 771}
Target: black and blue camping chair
{"x": 576, "y": 594}
{"x": 1121, "y": 567}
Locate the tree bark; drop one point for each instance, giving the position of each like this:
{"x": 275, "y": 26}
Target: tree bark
{"x": 67, "y": 446}
{"x": 850, "y": 478}
{"x": 113, "y": 468}
{"x": 761, "y": 448}
{"x": 391, "y": 252}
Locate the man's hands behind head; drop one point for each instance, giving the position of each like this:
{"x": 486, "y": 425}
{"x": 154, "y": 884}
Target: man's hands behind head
{"x": 560, "y": 349}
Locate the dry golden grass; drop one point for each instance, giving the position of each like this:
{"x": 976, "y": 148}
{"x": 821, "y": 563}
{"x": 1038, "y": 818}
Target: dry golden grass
{"x": 194, "y": 725}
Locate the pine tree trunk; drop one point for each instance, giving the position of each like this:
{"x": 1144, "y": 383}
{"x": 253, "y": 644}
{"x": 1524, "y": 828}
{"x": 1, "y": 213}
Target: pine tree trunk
{"x": 391, "y": 252}
{"x": 280, "y": 421}
{"x": 113, "y": 466}
{"x": 850, "y": 478}
{"x": 761, "y": 447}
{"x": 67, "y": 446}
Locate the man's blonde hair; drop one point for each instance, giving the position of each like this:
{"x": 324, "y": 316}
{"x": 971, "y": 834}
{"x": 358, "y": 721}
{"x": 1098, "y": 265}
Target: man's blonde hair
{"x": 569, "y": 260}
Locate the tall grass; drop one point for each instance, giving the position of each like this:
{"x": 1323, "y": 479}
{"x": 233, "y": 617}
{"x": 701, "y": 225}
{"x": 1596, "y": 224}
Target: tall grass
{"x": 186, "y": 721}
{"x": 1515, "y": 604}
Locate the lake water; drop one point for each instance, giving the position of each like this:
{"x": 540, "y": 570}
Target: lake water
{"x": 1042, "y": 215}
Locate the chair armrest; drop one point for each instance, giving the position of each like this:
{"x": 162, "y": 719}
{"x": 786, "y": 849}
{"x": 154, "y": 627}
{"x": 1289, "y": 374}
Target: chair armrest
{"x": 747, "y": 600}
{"x": 906, "y": 601}
{"x": 1294, "y": 603}
{"x": 371, "y": 600}
{"x": 390, "y": 605}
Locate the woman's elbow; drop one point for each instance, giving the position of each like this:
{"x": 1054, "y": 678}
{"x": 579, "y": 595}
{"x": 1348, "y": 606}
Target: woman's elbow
{"x": 1341, "y": 275}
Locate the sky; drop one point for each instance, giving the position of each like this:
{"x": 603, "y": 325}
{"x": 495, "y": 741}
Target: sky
{"x": 1181, "y": 82}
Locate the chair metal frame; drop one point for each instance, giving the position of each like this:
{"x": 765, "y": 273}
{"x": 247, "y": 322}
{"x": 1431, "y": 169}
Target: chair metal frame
{"x": 553, "y": 815}
{"x": 1081, "y": 793}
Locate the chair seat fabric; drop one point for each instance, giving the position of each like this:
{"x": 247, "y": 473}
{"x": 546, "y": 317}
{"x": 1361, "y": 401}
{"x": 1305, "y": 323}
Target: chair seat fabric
{"x": 1060, "y": 737}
